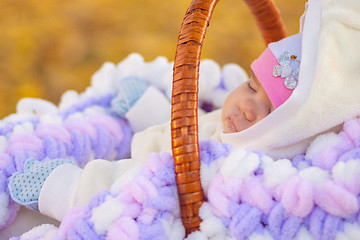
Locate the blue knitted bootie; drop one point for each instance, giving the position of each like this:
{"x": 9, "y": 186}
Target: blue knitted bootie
{"x": 25, "y": 187}
{"x": 129, "y": 90}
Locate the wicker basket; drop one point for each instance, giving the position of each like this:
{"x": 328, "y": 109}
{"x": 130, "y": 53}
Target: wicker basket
{"x": 184, "y": 127}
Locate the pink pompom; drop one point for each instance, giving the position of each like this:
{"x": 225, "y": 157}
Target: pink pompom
{"x": 70, "y": 219}
{"x": 297, "y": 197}
{"x": 5, "y": 160}
{"x": 53, "y": 130}
{"x": 352, "y": 129}
{"x": 124, "y": 228}
{"x": 153, "y": 162}
{"x": 147, "y": 215}
{"x": 336, "y": 200}
{"x": 109, "y": 124}
{"x": 141, "y": 189}
{"x": 24, "y": 142}
{"x": 327, "y": 158}
{"x": 218, "y": 200}
{"x": 255, "y": 194}
{"x": 81, "y": 125}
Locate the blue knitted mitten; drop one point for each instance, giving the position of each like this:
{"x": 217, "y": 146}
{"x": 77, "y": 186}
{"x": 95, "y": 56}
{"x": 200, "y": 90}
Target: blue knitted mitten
{"x": 25, "y": 187}
{"x": 129, "y": 90}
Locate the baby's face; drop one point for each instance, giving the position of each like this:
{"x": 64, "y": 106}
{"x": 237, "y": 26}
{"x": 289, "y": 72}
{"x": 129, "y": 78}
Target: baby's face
{"x": 245, "y": 106}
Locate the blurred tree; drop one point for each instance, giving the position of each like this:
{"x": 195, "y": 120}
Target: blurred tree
{"x": 49, "y": 47}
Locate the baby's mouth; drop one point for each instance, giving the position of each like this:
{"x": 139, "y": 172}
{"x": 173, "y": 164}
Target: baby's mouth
{"x": 232, "y": 122}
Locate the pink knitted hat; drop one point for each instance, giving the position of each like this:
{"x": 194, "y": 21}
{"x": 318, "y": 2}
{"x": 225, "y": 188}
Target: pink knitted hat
{"x": 277, "y": 68}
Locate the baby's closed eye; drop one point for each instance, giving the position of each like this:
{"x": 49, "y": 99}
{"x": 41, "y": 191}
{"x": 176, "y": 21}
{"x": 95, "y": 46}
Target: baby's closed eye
{"x": 251, "y": 87}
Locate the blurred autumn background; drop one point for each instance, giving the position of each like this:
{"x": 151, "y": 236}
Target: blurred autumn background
{"x": 48, "y": 47}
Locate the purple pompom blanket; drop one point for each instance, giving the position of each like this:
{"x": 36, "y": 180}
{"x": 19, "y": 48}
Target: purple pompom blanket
{"x": 249, "y": 196}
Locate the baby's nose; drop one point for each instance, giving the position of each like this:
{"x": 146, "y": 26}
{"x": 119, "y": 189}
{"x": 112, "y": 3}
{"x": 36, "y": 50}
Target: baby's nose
{"x": 248, "y": 108}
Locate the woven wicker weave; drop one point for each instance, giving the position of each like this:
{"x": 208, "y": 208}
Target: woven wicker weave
{"x": 184, "y": 127}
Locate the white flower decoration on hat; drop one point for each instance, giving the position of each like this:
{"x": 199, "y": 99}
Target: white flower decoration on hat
{"x": 284, "y": 70}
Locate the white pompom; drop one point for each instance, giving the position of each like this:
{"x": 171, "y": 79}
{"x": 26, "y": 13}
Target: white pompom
{"x": 68, "y": 98}
{"x": 3, "y": 143}
{"x": 262, "y": 236}
{"x": 16, "y": 117}
{"x": 106, "y": 214}
{"x": 132, "y": 65}
{"x": 205, "y": 211}
{"x": 213, "y": 228}
{"x": 155, "y": 71}
{"x": 207, "y": 173}
{"x": 103, "y": 79}
{"x": 209, "y": 78}
{"x": 52, "y": 119}
{"x": 240, "y": 164}
{"x": 197, "y": 236}
{"x": 35, "y": 106}
{"x": 321, "y": 142}
{"x": 25, "y": 128}
{"x": 44, "y": 231}
{"x": 278, "y": 172}
{"x": 167, "y": 82}
{"x": 348, "y": 172}
{"x": 233, "y": 76}
{"x": 4, "y": 211}
{"x": 316, "y": 175}
{"x": 218, "y": 97}
{"x": 351, "y": 230}
{"x": 174, "y": 229}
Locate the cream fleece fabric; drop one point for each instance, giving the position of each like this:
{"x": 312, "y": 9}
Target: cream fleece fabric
{"x": 328, "y": 92}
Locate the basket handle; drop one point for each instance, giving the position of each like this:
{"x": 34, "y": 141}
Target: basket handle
{"x": 184, "y": 118}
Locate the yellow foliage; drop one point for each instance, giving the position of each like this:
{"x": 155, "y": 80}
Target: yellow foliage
{"x": 51, "y": 46}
